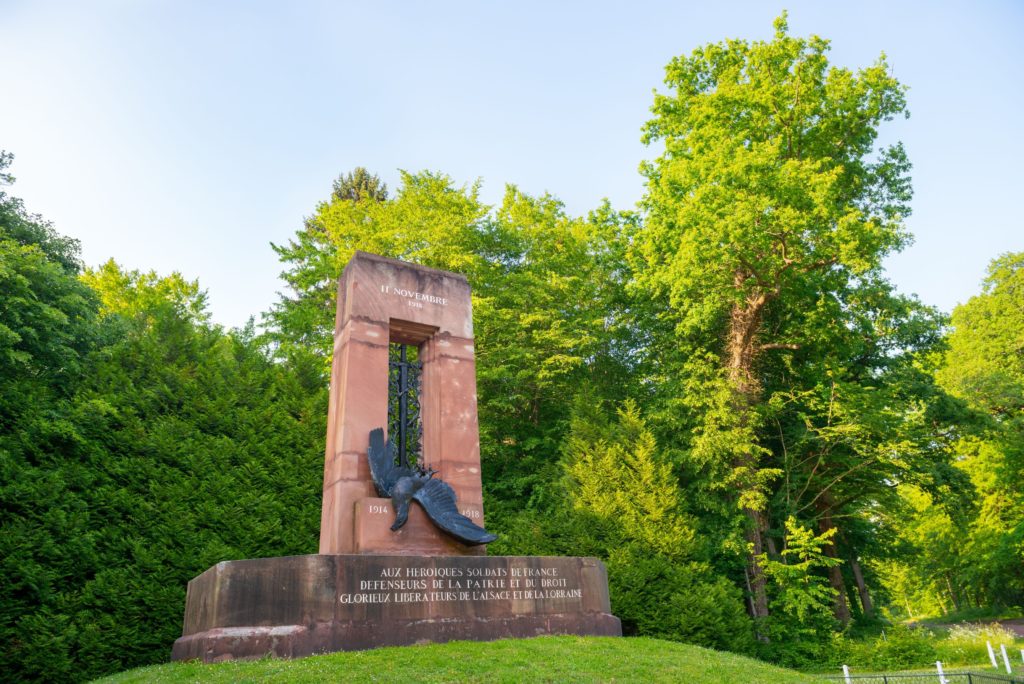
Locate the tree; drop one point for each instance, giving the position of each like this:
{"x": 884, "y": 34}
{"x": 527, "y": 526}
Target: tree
{"x": 429, "y": 221}
{"x": 139, "y": 444}
{"x": 359, "y": 185}
{"x": 984, "y": 366}
{"x": 177, "y": 447}
{"x": 769, "y": 206}
{"x": 47, "y": 332}
{"x": 617, "y": 497}
{"x": 802, "y": 603}
{"x": 546, "y": 294}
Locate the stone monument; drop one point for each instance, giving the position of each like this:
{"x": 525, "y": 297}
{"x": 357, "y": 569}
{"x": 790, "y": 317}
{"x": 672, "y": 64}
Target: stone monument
{"x": 403, "y": 362}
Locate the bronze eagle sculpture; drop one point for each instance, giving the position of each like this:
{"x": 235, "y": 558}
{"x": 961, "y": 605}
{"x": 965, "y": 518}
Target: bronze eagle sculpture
{"x": 404, "y": 484}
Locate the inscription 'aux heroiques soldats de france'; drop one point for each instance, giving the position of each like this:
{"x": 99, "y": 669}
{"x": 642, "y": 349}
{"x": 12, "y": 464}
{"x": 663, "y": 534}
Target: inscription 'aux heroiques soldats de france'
{"x": 440, "y": 584}
{"x": 413, "y": 298}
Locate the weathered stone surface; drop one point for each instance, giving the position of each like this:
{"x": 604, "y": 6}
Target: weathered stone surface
{"x": 418, "y": 537}
{"x": 381, "y": 301}
{"x": 301, "y": 605}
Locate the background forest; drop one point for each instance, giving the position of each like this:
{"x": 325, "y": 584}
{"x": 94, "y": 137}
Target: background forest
{"x": 718, "y": 393}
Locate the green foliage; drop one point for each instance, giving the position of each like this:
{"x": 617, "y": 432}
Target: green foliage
{"x": 546, "y": 298}
{"x": 133, "y": 295}
{"x": 631, "y": 495}
{"x": 896, "y": 648}
{"x": 967, "y": 643}
{"x": 46, "y": 315}
{"x": 960, "y": 536}
{"x": 984, "y": 364}
{"x": 429, "y": 221}
{"x": 901, "y": 647}
{"x": 770, "y": 182}
{"x": 801, "y": 593}
{"x": 140, "y": 446}
{"x": 677, "y": 600}
{"x": 799, "y": 626}
{"x": 799, "y": 372}
{"x": 359, "y": 185}
{"x": 802, "y": 419}
{"x": 619, "y": 500}
{"x": 985, "y": 367}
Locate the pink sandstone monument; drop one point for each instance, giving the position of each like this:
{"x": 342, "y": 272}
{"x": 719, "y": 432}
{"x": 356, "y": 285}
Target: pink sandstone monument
{"x": 383, "y": 302}
{"x": 372, "y": 585}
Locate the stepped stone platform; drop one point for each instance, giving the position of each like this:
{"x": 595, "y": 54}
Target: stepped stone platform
{"x": 296, "y": 606}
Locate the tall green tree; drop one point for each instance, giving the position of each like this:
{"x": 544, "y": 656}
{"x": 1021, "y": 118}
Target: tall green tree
{"x": 178, "y": 446}
{"x": 984, "y": 366}
{"x": 547, "y": 291}
{"x": 770, "y": 205}
{"x": 852, "y": 420}
{"x": 359, "y": 185}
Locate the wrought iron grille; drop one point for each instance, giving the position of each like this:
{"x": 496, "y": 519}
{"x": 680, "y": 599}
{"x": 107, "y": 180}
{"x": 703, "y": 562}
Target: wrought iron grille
{"x": 405, "y": 428}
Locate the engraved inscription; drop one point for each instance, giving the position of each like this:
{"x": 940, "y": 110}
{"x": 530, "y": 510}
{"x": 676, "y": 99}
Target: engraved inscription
{"x": 414, "y": 299}
{"x": 441, "y": 584}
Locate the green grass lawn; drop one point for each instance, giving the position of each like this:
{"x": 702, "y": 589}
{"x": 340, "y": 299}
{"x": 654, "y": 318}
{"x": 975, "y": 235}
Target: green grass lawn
{"x": 545, "y": 659}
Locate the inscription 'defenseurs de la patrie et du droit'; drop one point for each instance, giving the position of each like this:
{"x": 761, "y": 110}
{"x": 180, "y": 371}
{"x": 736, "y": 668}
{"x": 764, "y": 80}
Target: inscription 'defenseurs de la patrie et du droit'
{"x": 413, "y": 298}
{"x": 437, "y": 584}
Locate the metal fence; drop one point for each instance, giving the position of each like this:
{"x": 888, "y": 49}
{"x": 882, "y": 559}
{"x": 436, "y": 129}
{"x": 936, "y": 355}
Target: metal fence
{"x": 922, "y": 677}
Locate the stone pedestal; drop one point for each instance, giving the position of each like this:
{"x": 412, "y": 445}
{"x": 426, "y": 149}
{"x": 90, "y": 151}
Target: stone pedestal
{"x": 302, "y": 605}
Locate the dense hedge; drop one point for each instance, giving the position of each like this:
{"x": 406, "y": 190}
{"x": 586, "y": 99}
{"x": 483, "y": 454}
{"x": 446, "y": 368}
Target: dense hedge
{"x": 139, "y": 446}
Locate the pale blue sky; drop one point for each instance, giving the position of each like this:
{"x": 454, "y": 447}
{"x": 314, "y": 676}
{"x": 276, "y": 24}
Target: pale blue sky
{"x": 175, "y": 135}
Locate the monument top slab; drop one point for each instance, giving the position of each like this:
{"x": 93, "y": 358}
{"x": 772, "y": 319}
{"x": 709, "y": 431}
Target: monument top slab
{"x": 381, "y": 290}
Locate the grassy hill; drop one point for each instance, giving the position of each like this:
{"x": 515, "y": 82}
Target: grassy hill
{"x": 556, "y": 659}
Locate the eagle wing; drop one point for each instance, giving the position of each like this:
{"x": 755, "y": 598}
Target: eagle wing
{"x": 438, "y": 500}
{"x": 382, "y": 463}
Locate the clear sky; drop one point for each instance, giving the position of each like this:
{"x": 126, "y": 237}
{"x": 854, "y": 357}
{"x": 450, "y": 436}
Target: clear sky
{"x": 188, "y": 135}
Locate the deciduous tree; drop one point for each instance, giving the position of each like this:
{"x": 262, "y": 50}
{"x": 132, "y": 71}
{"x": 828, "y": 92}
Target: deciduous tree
{"x": 769, "y": 205}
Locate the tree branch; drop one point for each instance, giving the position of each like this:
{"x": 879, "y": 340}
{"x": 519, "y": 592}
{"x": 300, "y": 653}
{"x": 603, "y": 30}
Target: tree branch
{"x": 779, "y": 345}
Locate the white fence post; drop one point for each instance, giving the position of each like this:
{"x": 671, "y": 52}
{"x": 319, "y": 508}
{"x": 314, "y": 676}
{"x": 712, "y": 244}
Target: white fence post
{"x": 1006, "y": 659}
{"x": 846, "y": 674}
{"x": 942, "y": 675}
{"x": 992, "y": 655}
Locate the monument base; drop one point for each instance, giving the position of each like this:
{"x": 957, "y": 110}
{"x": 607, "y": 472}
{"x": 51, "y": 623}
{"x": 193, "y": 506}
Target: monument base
{"x": 301, "y": 605}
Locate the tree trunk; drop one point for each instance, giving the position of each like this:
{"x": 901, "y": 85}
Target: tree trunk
{"x": 862, "y": 588}
{"x": 741, "y": 350}
{"x": 744, "y": 324}
{"x": 835, "y": 573}
{"x": 755, "y": 573}
{"x": 952, "y": 592}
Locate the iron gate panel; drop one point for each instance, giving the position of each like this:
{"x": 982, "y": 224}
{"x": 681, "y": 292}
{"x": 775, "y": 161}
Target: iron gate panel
{"x": 405, "y": 426}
